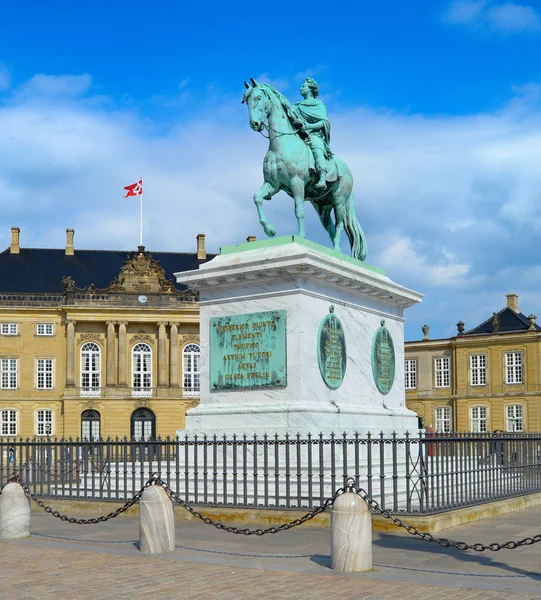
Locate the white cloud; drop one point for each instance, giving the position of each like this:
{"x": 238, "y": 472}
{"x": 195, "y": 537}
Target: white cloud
{"x": 450, "y": 205}
{"x": 72, "y": 86}
{"x": 504, "y": 17}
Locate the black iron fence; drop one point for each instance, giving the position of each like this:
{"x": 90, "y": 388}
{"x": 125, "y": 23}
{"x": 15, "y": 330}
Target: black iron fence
{"x": 421, "y": 473}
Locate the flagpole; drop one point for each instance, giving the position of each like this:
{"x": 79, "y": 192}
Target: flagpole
{"x": 141, "y": 219}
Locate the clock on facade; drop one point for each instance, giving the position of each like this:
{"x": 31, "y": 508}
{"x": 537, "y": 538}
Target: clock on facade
{"x": 142, "y": 299}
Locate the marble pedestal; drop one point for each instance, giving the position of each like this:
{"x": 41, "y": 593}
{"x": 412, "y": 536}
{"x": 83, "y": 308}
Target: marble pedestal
{"x": 303, "y": 279}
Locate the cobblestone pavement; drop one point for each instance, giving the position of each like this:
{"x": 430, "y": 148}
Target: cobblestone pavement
{"x": 62, "y": 561}
{"x": 29, "y": 572}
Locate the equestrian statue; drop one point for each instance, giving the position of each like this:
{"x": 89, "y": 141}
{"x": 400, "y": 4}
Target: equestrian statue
{"x": 299, "y": 161}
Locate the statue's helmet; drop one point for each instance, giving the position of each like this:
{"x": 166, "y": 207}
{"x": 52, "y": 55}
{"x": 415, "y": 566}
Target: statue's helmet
{"x": 314, "y": 87}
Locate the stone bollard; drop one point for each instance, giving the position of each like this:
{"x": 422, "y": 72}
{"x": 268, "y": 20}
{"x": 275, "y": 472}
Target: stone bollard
{"x": 156, "y": 521}
{"x": 351, "y": 534}
{"x": 14, "y": 513}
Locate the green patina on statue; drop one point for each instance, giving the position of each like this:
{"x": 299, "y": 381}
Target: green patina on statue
{"x": 300, "y": 162}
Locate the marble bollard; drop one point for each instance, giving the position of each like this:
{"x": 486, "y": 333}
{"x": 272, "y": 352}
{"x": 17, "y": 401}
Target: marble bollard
{"x": 351, "y": 534}
{"x": 156, "y": 521}
{"x": 14, "y": 513}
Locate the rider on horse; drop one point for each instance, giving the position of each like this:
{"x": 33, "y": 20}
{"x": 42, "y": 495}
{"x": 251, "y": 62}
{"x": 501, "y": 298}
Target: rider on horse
{"x": 314, "y": 128}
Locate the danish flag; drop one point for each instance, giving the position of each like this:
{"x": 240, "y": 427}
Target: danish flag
{"x": 135, "y": 189}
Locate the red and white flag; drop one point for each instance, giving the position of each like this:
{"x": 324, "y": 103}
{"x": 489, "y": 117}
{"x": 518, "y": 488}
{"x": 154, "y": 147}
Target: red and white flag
{"x": 135, "y": 189}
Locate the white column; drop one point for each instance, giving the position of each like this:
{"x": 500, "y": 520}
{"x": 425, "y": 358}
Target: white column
{"x": 14, "y": 513}
{"x": 122, "y": 358}
{"x": 110, "y": 375}
{"x": 162, "y": 355}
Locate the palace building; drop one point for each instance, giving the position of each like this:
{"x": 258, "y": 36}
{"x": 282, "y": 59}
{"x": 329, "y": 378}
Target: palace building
{"x": 96, "y": 342}
{"x": 483, "y": 379}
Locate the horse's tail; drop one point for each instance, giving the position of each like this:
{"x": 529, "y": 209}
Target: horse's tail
{"x": 354, "y": 231}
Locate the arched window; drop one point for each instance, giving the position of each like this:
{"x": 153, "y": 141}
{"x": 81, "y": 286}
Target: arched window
{"x": 90, "y": 369}
{"x": 141, "y": 370}
{"x": 143, "y": 425}
{"x": 190, "y": 370}
{"x": 90, "y": 425}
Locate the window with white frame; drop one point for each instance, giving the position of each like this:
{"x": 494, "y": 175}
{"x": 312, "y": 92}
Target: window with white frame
{"x": 8, "y": 368}
{"x": 44, "y": 373}
{"x": 479, "y": 419}
{"x": 8, "y": 421}
{"x": 44, "y": 422}
{"x": 443, "y": 419}
{"x": 478, "y": 369}
{"x": 90, "y": 369}
{"x": 515, "y": 417}
{"x": 410, "y": 373}
{"x": 190, "y": 369}
{"x": 44, "y": 329}
{"x": 443, "y": 372}
{"x": 142, "y": 367}
{"x": 9, "y": 329}
{"x": 513, "y": 367}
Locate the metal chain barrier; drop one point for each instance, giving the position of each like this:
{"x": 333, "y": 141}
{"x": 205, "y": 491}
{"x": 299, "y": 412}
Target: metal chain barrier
{"x": 58, "y": 515}
{"x": 350, "y": 487}
{"x": 244, "y": 531}
{"x": 428, "y": 537}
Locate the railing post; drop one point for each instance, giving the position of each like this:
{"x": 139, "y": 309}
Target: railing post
{"x": 14, "y": 513}
{"x": 156, "y": 521}
{"x": 351, "y": 534}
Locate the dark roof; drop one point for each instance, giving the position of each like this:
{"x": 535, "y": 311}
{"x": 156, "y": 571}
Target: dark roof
{"x": 509, "y": 321}
{"x": 40, "y": 270}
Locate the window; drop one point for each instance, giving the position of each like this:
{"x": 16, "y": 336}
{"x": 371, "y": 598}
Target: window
{"x": 443, "y": 372}
{"x": 479, "y": 419}
{"x": 9, "y": 329}
{"x": 44, "y": 422}
{"x": 478, "y": 369}
{"x": 44, "y": 329}
{"x": 410, "y": 374}
{"x": 142, "y": 370}
{"x": 190, "y": 370}
{"x": 143, "y": 425}
{"x": 8, "y": 421}
{"x": 90, "y": 369}
{"x": 513, "y": 367}
{"x": 8, "y": 366}
{"x": 443, "y": 419}
{"x": 44, "y": 374}
{"x": 515, "y": 417}
{"x": 90, "y": 425}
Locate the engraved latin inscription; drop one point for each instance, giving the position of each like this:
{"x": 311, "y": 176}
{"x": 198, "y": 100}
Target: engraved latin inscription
{"x": 248, "y": 351}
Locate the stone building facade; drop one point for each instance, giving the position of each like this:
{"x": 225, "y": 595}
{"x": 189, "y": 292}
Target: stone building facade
{"x": 483, "y": 379}
{"x": 96, "y": 343}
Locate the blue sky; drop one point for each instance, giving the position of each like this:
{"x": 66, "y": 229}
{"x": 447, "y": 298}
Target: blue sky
{"x": 436, "y": 106}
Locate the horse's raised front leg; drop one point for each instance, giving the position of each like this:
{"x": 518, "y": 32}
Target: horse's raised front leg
{"x": 265, "y": 192}
{"x": 297, "y": 189}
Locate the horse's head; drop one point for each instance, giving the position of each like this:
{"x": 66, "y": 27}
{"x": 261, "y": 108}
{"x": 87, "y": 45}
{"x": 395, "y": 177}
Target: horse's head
{"x": 259, "y": 104}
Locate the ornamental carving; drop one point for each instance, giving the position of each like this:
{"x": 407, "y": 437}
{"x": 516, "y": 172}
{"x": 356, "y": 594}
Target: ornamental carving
{"x": 141, "y": 273}
{"x": 142, "y": 403}
{"x": 141, "y": 337}
{"x": 187, "y": 338}
{"x": 90, "y": 404}
{"x": 90, "y": 337}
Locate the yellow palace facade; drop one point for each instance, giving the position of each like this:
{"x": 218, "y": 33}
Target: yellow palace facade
{"x": 482, "y": 379}
{"x": 96, "y": 343}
